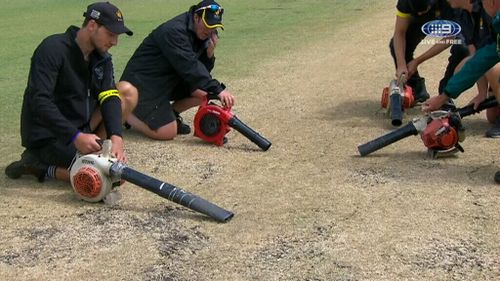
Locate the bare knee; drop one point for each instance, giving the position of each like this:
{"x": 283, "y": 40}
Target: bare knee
{"x": 493, "y": 75}
{"x": 129, "y": 96}
{"x": 166, "y": 132}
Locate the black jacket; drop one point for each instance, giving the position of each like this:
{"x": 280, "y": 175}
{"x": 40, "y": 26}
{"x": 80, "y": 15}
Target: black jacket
{"x": 476, "y": 26}
{"x": 440, "y": 9}
{"x": 171, "y": 54}
{"x": 63, "y": 89}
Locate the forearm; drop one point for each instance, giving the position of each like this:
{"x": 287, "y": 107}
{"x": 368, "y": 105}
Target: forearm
{"x": 435, "y": 50}
{"x": 112, "y": 115}
{"x": 400, "y": 49}
{"x": 484, "y": 59}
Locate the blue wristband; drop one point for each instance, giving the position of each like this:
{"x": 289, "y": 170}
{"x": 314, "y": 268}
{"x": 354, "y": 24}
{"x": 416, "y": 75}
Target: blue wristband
{"x": 75, "y": 136}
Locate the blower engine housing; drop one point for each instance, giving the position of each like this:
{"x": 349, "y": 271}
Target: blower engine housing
{"x": 90, "y": 178}
{"x": 444, "y": 134}
{"x": 211, "y": 122}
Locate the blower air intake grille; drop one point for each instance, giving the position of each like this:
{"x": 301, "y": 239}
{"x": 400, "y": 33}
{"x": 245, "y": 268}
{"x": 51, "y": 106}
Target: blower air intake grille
{"x": 210, "y": 124}
{"x": 87, "y": 182}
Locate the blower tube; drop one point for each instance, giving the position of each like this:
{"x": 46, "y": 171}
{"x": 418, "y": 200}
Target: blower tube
{"x": 387, "y": 139}
{"x": 396, "y": 109}
{"x": 239, "y": 126}
{"x": 469, "y": 110}
{"x": 171, "y": 192}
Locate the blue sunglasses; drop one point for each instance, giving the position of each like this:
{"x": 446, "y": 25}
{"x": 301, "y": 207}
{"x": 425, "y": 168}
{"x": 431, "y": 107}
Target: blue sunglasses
{"x": 213, "y": 8}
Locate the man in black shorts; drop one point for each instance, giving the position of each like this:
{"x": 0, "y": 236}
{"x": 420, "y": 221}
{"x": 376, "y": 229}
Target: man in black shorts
{"x": 410, "y": 17}
{"x": 173, "y": 64}
{"x": 71, "y": 100}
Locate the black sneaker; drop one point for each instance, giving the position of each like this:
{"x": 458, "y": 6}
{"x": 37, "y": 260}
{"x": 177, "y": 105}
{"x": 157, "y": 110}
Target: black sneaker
{"x": 420, "y": 93}
{"x": 494, "y": 132}
{"x": 497, "y": 177}
{"x": 182, "y": 128}
{"x": 419, "y": 90}
{"x": 28, "y": 165}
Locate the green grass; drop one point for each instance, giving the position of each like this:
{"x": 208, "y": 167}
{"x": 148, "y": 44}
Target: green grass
{"x": 255, "y": 31}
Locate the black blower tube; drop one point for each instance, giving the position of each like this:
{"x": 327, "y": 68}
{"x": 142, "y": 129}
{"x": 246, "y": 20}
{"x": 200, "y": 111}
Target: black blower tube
{"x": 469, "y": 110}
{"x": 385, "y": 140}
{"x": 172, "y": 193}
{"x": 239, "y": 126}
{"x": 396, "y": 108}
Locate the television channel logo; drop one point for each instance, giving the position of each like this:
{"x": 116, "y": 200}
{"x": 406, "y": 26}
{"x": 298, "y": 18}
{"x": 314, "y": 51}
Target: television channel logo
{"x": 441, "y": 28}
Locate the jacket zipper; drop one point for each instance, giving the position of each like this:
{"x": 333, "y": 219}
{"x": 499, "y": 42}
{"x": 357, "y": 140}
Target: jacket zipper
{"x": 87, "y": 111}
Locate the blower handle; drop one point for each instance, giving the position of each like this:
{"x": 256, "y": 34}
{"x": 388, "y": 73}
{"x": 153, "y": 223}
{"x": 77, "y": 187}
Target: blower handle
{"x": 239, "y": 126}
{"x": 387, "y": 139}
{"x": 171, "y": 192}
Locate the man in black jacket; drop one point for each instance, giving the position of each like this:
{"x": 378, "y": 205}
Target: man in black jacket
{"x": 70, "y": 79}
{"x": 411, "y": 15}
{"x": 173, "y": 64}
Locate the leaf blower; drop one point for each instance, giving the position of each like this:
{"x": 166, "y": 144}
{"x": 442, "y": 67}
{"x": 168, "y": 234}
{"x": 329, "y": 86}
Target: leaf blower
{"x": 441, "y": 131}
{"x": 212, "y": 122}
{"x": 397, "y": 98}
{"x": 94, "y": 177}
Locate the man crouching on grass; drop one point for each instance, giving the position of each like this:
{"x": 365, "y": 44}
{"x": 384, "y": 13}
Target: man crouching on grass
{"x": 71, "y": 100}
{"x": 170, "y": 71}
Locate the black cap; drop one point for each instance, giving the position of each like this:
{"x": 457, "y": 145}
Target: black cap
{"x": 211, "y": 13}
{"x": 108, "y": 15}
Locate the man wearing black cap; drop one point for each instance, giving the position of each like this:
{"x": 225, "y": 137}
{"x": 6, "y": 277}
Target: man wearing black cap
{"x": 410, "y": 17}
{"x": 71, "y": 100}
{"x": 173, "y": 64}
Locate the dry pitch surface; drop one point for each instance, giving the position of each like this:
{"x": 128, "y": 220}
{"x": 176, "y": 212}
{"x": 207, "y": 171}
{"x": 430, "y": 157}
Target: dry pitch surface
{"x": 308, "y": 209}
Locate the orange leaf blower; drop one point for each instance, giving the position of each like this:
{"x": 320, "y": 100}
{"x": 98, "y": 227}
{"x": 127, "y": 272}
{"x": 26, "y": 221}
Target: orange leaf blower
{"x": 441, "y": 130}
{"x": 396, "y": 99}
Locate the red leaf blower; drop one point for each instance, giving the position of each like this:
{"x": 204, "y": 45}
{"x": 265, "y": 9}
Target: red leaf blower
{"x": 397, "y": 98}
{"x": 212, "y": 122}
{"x": 441, "y": 131}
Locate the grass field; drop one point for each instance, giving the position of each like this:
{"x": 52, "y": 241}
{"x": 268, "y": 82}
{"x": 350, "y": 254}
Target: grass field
{"x": 255, "y": 30}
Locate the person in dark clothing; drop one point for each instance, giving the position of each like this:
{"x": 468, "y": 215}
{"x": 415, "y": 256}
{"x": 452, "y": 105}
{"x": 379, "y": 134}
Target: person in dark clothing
{"x": 477, "y": 32}
{"x": 173, "y": 64}
{"x": 410, "y": 17}
{"x": 482, "y": 62}
{"x": 71, "y": 100}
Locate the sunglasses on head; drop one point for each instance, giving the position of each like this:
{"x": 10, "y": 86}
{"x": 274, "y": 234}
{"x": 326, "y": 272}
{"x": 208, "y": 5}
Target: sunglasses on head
{"x": 212, "y": 8}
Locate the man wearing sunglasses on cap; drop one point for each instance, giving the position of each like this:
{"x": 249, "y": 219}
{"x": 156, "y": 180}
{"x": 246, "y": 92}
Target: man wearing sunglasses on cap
{"x": 170, "y": 71}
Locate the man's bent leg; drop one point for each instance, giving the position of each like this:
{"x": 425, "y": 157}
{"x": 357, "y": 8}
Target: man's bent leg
{"x": 493, "y": 75}
{"x": 165, "y": 132}
{"x": 59, "y": 156}
{"x": 129, "y": 96}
